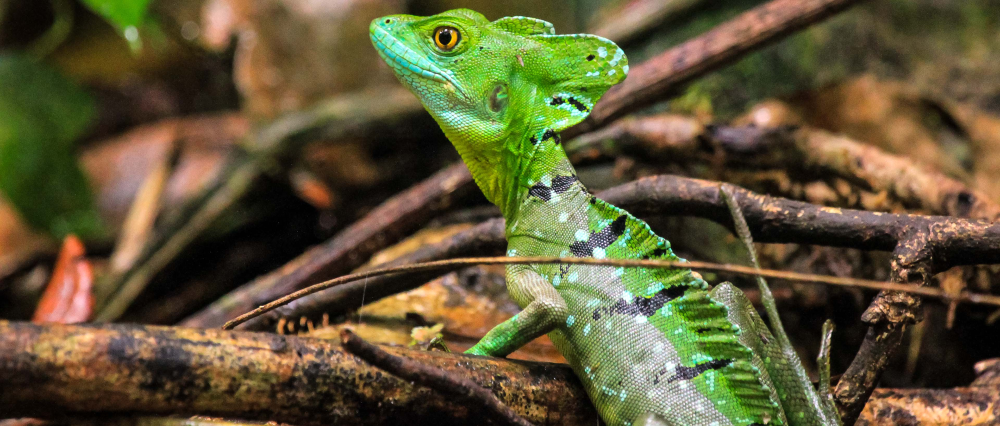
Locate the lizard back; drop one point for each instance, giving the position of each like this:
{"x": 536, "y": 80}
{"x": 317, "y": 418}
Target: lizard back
{"x": 641, "y": 340}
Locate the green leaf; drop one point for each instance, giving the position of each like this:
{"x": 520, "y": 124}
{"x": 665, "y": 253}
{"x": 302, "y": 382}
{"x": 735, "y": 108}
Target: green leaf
{"x": 41, "y": 115}
{"x": 121, "y": 13}
{"x": 127, "y": 15}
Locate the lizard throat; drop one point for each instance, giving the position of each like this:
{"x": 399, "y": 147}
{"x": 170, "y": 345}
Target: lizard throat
{"x": 408, "y": 63}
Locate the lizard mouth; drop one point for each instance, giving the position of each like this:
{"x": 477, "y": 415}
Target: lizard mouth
{"x": 407, "y": 62}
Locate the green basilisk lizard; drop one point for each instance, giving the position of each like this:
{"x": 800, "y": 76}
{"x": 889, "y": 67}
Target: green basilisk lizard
{"x": 651, "y": 346}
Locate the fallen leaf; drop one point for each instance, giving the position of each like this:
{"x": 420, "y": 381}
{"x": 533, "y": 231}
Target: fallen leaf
{"x": 68, "y": 298}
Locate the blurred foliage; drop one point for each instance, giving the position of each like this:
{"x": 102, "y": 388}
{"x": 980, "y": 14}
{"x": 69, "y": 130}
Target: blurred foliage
{"x": 41, "y": 115}
{"x": 126, "y": 15}
{"x": 950, "y": 55}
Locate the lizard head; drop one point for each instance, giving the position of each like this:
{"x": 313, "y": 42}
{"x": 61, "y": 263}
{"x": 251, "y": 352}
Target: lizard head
{"x": 489, "y": 83}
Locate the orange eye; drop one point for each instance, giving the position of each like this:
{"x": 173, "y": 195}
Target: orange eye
{"x": 446, "y": 38}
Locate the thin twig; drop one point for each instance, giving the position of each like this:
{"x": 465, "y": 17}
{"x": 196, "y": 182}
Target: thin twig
{"x": 485, "y": 239}
{"x": 766, "y": 297}
{"x": 269, "y": 146}
{"x": 141, "y": 217}
{"x": 823, "y": 364}
{"x": 385, "y": 225}
{"x": 454, "y": 264}
{"x": 949, "y": 241}
{"x": 434, "y": 378}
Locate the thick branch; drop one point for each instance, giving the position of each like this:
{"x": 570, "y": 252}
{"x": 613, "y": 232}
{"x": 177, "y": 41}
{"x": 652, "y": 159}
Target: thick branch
{"x": 822, "y": 154}
{"x": 959, "y": 406}
{"x": 939, "y": 241}
{"x": 434, "y": 378}
{"x": 52, "y": 371}
{"x": 946, "y": 241}
{"x": 810, "y": 153}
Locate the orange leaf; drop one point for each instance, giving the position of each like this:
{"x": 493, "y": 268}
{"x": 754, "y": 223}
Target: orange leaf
{"x": 68, "y": 297}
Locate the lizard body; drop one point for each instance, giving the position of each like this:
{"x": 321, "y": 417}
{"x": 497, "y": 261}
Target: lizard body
{"x": 651, "y": 346}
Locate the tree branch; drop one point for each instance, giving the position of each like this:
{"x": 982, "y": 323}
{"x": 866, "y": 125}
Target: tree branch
{"x": 52, "y": 371}
{"x": 58, "y": 370}
{"x": 804, "y": 152}
{"x": 434, "y": 378}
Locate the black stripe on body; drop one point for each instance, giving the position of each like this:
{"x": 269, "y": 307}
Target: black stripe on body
{"x": 578, "y": 105}
{"x": 560, "y": 184}
{"x": 602, "y": 238}
{"x": 558, "y": 100}
{"x": 688, "y": 373}
{"x": 645, "y": 306}
{"x": 551, "y": 134}
{"x": 540, "y": 191}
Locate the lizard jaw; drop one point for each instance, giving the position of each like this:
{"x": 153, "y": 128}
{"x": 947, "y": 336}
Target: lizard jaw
{"x": 407, "y": 63}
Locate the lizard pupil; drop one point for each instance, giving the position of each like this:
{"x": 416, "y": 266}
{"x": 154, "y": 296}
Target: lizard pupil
{"x": 446, "y": 38}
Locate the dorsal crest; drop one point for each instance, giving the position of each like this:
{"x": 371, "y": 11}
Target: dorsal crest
{"x": 525, "y": 26}
{"x": 572, "y": 72}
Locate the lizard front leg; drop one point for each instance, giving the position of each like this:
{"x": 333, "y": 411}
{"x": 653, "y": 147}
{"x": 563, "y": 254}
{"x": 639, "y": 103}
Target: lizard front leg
{"x": 543, "y": 309}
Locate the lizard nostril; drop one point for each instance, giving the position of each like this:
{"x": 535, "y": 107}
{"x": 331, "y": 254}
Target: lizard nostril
{"x": 388, "y": 21}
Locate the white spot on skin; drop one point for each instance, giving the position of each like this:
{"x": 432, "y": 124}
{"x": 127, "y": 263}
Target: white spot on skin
{"x": 586, "y": 329}
{"x": 618, "y": 57}
{"x": 573, "y": 276}
{"x": 563, "y": 217}
{"x": 625, "y": 70}
{"x": 659, "y": 347}
{"x": 598, "y": 253}
{"x": 582, "y": 235}
{"x": 611, "y": 72}
{"x": 602, "y": 52}
{"x": 570, "y": 320}
{"x": 640, "y": 319}
{"x": 593, "y": 74}
{"x": 627, "y": 296}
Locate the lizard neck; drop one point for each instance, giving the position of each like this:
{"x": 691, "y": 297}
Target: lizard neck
{"x": 530, "y": 154}
{"x": 538, "y": 168}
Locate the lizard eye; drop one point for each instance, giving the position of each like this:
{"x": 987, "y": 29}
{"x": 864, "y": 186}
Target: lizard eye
{"x": 446, "y": 38}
